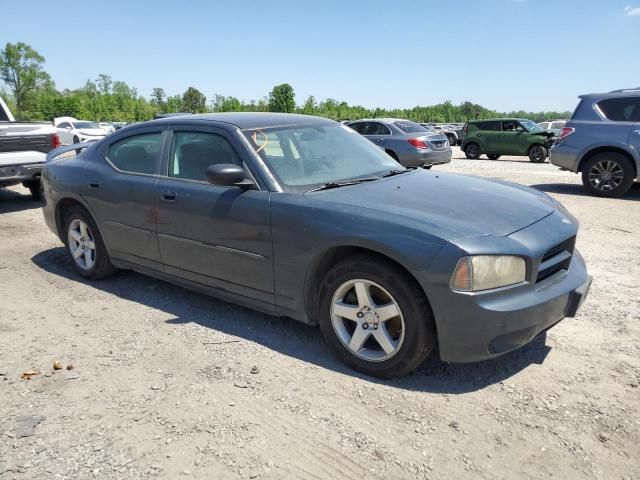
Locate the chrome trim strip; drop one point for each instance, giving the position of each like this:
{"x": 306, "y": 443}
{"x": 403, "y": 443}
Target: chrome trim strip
{"x": 221, "y": 248}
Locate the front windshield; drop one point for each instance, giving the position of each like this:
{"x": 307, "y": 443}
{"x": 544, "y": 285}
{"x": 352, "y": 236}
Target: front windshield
{"x": 84, "y": 125}
{"x": 410, "y": 127}
{"x": 304, "y": 157}
{"x": 530, "y": 126}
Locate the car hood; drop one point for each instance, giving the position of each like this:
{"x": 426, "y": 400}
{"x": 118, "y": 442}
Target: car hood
{"x": 448, "y": 203}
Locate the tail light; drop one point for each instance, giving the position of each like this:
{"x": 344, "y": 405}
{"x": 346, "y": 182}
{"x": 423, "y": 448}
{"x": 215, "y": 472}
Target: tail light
{"x": 55, "y": 140}
{"x": 566, "y": 131}
{"x": 416, "y": 142}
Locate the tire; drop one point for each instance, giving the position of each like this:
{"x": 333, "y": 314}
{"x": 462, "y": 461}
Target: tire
{"x": 538, "y": 153}
{"x": 493, "y": 157}
{"x": 412, "y": 332}
{"x": 34, "y": 188}
{"x": 451, "y": 139}
{"x": 76, "y": 139}
{"x": 472, "y": 151}
{"x": 100, "y": 267}
{"x": 619, "y": 169}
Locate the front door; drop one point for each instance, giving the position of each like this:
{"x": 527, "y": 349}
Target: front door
{"x": 121, "y": 193}
{"x": 513, "y": 138}
{"x": 214, "y": 235}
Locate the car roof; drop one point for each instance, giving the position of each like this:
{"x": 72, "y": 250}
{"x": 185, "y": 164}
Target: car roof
{"x": 509, "y": 119}
{"x": 614, "y": 94}
{"x": 383, "y": 120}
{"x": 247, "y": 120}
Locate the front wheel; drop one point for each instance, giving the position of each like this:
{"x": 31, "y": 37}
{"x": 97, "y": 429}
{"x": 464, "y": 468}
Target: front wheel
{"x": 85, "y": 246}
{"x": 607, "y": 174}
{"x": 375, "y": 318}
{"x": 472, "y": 151}
{"x": 538, "y": 154}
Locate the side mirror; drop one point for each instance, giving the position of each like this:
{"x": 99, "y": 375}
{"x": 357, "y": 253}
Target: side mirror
{"x": 228, "y": 175}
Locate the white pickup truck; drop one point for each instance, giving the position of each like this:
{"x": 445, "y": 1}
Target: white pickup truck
{"x": 23, "y": 150}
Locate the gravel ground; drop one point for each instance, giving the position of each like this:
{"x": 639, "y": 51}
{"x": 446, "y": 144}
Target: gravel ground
{"x": 169, "y": 383}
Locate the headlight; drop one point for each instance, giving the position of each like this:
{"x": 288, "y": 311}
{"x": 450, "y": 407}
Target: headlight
{"x": 482, "y": 272}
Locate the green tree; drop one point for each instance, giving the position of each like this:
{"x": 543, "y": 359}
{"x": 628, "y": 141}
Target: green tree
{"x": 194, "y": 101}
{"x": 104, "y": 83}
{"x": 282, "y": 99}
{"x": 158, "y": 98}
{"x": 21, "y": 70}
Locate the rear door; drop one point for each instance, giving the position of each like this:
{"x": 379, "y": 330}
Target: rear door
{"x": 120, "y": 191}
{"x": 489, "y": 136}
{"x": 378, "y": 133}
{"x": 214, "y": 235}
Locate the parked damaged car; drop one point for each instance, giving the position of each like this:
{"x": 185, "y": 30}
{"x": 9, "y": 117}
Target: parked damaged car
{"x": 302, "y": 217}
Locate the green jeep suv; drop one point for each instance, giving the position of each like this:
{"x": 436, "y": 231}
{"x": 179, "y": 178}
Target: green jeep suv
{"x": 506, "y": 136}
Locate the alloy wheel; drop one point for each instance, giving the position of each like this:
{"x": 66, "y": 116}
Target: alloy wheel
{"x": 82, "y": 244}
{"x": 367, "y": 320}
{"x": 606, "y": 175}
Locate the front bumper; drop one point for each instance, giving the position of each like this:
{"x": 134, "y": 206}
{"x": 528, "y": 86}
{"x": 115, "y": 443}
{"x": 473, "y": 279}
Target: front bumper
{"x": 20, "y": 173}
{"x": 494, "y": 325}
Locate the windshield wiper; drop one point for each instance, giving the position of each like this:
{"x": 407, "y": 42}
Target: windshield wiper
{"x": 392, "y": 173}
{"x": 330, "y": 185}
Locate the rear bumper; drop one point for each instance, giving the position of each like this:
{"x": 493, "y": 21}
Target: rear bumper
{"x": 495, "y": 324}
{"x": 14, "y": 174}
{"x": 421, "y": 158}
{"x": 564, "y": 156}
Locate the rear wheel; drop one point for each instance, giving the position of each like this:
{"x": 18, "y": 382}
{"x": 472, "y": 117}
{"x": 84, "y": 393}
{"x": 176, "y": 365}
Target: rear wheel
{"x": 493, "y": 157}
{"x": 85, "y": 246}
{"x": 607, "y": 174}
{"x": 76, "y": 139}
{"x": 472, "y": 151}
{"x": 538, "y": 154}
{"x": 375, "y": 318}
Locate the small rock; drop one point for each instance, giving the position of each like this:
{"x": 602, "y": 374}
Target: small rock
{"x": 186, "y": 472}
{"x": 57, "y": 365}
{"x": 255, "y": 369}
{"x": 454, "y": 424}
{"x": 603, "y": 437}
{"x": 232, "y": 404}
{"x": 25, "y": 425}
{"x": 155, "y": 387}
{"x": 69, "y": 367}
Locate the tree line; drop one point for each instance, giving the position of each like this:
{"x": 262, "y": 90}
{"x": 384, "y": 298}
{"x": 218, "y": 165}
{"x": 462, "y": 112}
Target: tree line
{"x": 32, "y": 95}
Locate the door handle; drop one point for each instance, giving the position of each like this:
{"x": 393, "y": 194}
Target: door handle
{"x": 378, "y": 140}
{"x": 94, "y": 185}
{"x": 169, "y": 196}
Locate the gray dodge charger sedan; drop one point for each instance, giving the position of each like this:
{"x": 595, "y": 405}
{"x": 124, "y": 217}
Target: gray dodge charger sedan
{"x": 302, "y": 217}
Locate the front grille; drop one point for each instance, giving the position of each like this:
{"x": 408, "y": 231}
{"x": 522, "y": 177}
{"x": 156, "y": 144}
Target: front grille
{"x": 556, "y": 259}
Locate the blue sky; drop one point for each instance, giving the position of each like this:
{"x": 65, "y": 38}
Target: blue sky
{"x": 504, "y": 54}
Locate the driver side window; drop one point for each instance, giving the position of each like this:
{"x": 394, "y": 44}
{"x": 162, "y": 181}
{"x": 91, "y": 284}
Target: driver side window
{"x": 512, "y": 126}
{"x": 192, "y": 152}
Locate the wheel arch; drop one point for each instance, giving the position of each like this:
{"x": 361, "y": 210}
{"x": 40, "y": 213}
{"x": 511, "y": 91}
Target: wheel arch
{"x": 63, "y": 206}
{"x": 327, "y": 259}
{"x": 603, "y": 149}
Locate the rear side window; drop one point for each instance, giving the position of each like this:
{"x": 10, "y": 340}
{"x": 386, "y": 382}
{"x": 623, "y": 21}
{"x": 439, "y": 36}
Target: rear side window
{"x": 410, "y": 127}
{"x": 192, "y": 152}
{"x": 625, "y": 109}
{"x": 489, "y": 126}
{"x": 136, "y": 154}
